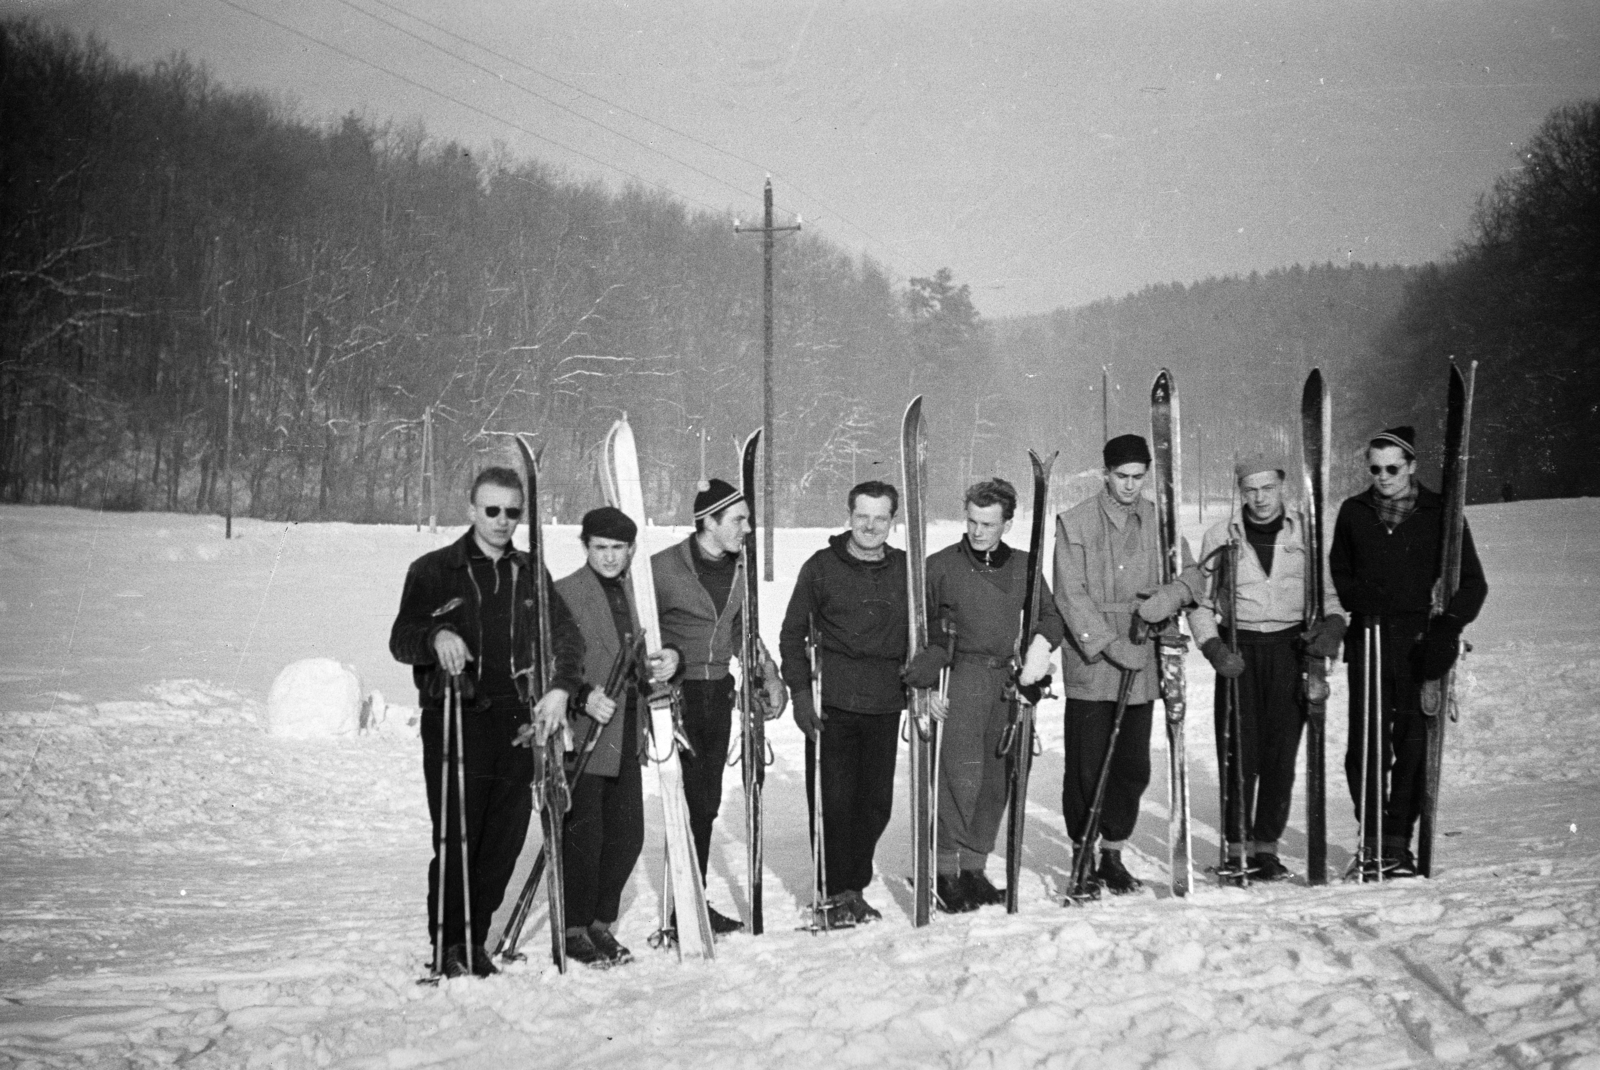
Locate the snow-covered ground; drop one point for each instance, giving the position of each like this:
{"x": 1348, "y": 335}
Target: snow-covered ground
{"x": 179, "y": 887}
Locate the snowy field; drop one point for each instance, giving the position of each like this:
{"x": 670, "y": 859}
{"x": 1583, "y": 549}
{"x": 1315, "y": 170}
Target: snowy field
{"x": 178, "y": 887}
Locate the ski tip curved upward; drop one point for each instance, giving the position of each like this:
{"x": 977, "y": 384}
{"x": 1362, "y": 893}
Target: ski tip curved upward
{"x": 915, "y": 406}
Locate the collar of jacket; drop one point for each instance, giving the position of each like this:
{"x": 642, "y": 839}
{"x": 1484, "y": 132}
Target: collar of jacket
{"x": 994, "y": 559}
{"x": 1293, "y": 524}
{"x": 1427, "y": 500}
{"x": 1120, "y": 514}
{"x": 840, "y": 544}
{"x": 461, "y": 553}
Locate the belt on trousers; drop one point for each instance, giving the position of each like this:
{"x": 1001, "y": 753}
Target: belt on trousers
{"x": 985, "y": 660}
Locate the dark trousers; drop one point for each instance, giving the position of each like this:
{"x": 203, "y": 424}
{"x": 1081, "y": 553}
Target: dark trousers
{"x": 499, "y": 805}
{"x": 707, "y": 722}
{"x": 1270, "y": 720}
{"x": 972, "y": 779}
{"x": 858, "y": 756}
{"x": 601, "y": 840}
{"x": 1402, "y": 739}
{"x": 1088, "y": 730}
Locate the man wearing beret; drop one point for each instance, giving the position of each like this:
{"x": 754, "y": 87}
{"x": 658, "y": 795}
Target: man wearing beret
{"x": 1384, "y": 560}
{"x": 698, "y": 584}
{"x": 1272, "y": 564}
{"x": 1108, "y": 587}
{"x": 604, "y": 829}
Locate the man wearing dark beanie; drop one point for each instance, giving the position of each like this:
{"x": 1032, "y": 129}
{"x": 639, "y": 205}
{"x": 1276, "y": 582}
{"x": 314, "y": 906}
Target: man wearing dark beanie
{"x": 697, "y": 596}
{"x": 1270, "y": 582}
{"x": 604, "y": 830}
{"x": 1384, "y": 558}
{"x": 1107, "y": 585}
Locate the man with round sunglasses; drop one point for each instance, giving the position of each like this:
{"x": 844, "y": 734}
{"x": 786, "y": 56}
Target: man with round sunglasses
{"x": 1384, "y": 561}
{"x": 468, "y": 612}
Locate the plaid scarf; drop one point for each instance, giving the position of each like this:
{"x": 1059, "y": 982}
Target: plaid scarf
{"x": 1392, "y": 511}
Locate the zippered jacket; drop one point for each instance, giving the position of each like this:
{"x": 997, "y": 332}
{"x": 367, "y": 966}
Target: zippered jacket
{"x": 704, "y": 638}
{"x": 860, "y": 610}
{"x": 441, "y": 593}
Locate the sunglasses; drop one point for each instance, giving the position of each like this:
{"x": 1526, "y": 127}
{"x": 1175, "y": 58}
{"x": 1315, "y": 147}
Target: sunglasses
{"x": 513, "y": 512}
{"x": 1375, "y": 469}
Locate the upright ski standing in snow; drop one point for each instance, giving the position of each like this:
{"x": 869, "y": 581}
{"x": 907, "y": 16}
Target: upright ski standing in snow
{"x": 753, "y": 721}
{"x": 1164, "y": 431}
{"x": 1439, "y": 696}
{"x": 1315, "y": 449}
{"x": 921, "y": 730}
{"x": 1016, "y": 745}
{"x": 683, "y": 890}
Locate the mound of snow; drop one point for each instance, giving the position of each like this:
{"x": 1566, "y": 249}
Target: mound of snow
{"x": 313, "y": 699}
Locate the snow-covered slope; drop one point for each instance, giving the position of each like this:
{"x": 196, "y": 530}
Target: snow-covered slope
{"x": 179, "y": 887}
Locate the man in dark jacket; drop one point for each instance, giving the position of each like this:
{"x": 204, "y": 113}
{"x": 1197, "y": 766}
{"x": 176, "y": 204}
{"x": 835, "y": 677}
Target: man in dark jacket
{"x": 468, "y": 611}
{"x": 853, "y": 595}
{"x": 604, "y": 830}
{"x": 699, "y": 586}
{"x": 1384, "y": 562}
{"x": 975, "y": 591}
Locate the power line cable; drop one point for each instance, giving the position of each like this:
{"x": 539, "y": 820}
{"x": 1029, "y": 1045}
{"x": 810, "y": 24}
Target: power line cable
{"x": 538, "y": 95}
{"x": 874, "y": 239}
{"x": 470, "y": 107}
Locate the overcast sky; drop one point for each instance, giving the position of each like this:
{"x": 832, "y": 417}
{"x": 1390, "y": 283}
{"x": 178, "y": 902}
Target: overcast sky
{"x": 1049, "y": 153}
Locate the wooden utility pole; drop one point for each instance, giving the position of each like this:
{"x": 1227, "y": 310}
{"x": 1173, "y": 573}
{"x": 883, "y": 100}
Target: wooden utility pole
{"x": 1200, "y": 465}
{"x": 227, "y": 462}
{"x": 1105, "y": 403}
{"x": 768, "y": 444}
{"x": 426, "y": 493}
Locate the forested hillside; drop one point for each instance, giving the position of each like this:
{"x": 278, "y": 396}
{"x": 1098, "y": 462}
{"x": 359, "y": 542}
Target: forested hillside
{"x": 161, "y": 233}
{"x": 1240, "y": 349}
{"x": 355, "y": 281}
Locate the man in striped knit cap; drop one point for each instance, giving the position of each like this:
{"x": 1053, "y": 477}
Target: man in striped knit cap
{"x": 698, "y": 584}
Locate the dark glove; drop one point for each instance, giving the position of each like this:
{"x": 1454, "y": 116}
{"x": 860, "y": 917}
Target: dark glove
{"x": 805, "y": 712}
{"x": 1440, "y": 645}
{"x": 1223, "y": 658}
{"x": 1125, "y": 654}
{"x": 1325, "y": 638}
{"x": 924, "y": 669}
{"x": 1032, "y": 693}
{"x": 1164, "y": 602}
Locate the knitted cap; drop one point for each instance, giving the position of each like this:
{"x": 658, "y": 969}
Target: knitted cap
{"x": 1126, "y": 449}
{"x": 608, "y": 522}
{"x": 1256, "y": 464}
{"x": 714, "y": 497}
{"x": 1404, "y": 436}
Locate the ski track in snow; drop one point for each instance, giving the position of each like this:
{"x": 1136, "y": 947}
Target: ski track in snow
{"x": 180, "y": 888}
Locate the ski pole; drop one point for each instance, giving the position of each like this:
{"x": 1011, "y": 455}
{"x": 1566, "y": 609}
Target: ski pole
{"x": 1236, "y": 718}
{"x": 819, "y": 842}
{"x": 440, "y": 853}
{"x": 461, "y": 811}
{"x": 938, "y": 743}
{"x": 1379, "y": 779}
{"x": 1366, "y": 744}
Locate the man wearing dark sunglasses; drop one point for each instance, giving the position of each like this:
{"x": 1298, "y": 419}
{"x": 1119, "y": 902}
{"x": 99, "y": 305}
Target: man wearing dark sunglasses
{"x": 467, "y": 611}
{"x": 1384, "y": 562}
